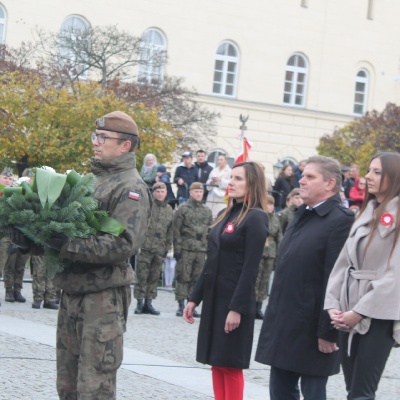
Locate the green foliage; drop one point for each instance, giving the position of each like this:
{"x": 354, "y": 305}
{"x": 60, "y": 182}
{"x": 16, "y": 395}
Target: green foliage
{"x": 359, "y": 140}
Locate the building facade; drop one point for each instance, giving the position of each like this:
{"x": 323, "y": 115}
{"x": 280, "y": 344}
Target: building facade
{"x": 298, "y": 68}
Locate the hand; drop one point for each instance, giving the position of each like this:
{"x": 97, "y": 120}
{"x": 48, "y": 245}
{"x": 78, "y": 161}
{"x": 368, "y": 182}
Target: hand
{"x": 346, "y": 320}
{"x": 232, "y": 321}
{"x": 188, "y": 312}
{"x": 177, "y": 256}
{"x": 56, "y": 241}
{"x": 18, "y": 239}
{"x": 181, "y": 181}
{"x": 326, "y": 347}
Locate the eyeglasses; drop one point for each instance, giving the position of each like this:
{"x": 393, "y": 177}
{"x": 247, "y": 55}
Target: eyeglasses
{"x": 102, "y": 138}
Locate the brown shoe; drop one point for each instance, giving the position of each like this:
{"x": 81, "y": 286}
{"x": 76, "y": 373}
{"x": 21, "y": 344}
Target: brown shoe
{"x": 10, "y": 296}
{"x": 18, "y": 296}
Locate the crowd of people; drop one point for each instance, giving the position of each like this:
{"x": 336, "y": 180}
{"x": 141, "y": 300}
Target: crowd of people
{"x": 327, "y": 233}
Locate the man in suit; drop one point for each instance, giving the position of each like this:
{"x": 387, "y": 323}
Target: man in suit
{"x": 297, "y": 339}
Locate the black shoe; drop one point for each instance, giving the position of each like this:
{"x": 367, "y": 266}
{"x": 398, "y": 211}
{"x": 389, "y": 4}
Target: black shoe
{"x": 18, "y": 296}
{"x": 139, "y": 307}
{"x": 149, "y": 309}
{"x": 36, "y": 304}
{"x": 196, "y": 314}
{"x": 51, "y": 305}
{"x": 10, "y": 296}
{"x": 179, "y": 312}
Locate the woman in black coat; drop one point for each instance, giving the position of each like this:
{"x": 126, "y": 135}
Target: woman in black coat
{"x": 227, "y": 283}
{"x": 283, "y": 186}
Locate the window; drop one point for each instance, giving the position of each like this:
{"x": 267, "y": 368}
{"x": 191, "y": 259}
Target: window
{"x": 2, "y": 24}
{"x": 361, "y": 90}
{"x": 225, "y": 70}
{"x": 74, "y": 28}
{"x": 152, "y": 57}
{"x": 295, "y": 81}
{"x": 213, "y": 157}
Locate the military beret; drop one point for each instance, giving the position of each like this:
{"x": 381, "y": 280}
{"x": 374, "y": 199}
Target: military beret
{"x": 7, "y": 172}
{"x": 117, "y": 121}
{"x": 196, "y": 185}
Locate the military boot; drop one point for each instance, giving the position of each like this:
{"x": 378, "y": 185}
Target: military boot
{"x": 36, "y": 304}
{"x": 18, "y": 296}
{"x": 181, "y": 306}
{"x": 10, "y": 296}
{"x": 149, "y": 309}
{"x": 139, "y": 307}
{"x": 259, "y": 313}
{"x": 51, "y": 305}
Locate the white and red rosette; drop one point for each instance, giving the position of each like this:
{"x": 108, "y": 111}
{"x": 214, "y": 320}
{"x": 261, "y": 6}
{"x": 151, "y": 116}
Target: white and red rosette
{"x": 229, "y": 228}
{"x": 387, "y": 219}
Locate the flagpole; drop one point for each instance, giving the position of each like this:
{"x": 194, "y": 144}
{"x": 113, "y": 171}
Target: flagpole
{"x": 243, "y": 128}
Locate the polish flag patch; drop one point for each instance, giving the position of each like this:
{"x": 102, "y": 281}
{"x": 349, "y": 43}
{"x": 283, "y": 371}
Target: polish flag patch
{"x": 134, "y": 196}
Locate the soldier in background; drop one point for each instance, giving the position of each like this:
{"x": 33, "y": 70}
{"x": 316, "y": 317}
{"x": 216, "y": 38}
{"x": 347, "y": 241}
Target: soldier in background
{"x": 268, "y": 258}
{"x": 42, "y": 286}
{"x": 156, "y": 245}
{"x": 292, "y": 202}
{"x": 191, "y": 225}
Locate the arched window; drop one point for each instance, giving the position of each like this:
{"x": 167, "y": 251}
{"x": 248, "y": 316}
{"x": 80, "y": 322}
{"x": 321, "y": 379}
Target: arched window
{"x": 72, "y": 29}
{"x": 295, "y": 80}
{"x": 2, "y": 24}
{"x": 152, "y": 57}
{"x": 225, "y": 69}
{"x": 213, "y": 157}
{"x": 361, "y": 91}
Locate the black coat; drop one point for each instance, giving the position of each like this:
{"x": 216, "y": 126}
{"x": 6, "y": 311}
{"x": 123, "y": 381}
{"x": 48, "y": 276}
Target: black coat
{"x": 228, "y": 283}
{"x": 295, "y": 319}
{"x": 282, "y": 188}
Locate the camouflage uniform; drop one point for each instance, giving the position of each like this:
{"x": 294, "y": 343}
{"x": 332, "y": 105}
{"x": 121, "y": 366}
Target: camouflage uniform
{"x": 268, "y": 258}
{"x": 4, "y": 244}
{"x": 157, "y": 243}
{"x": 191, "y": 225}
{"x": 286, "y": 216}
{"x": 42, "y": 286}
{"x": 96, "y": 290}
{"x": 14, "y": 269}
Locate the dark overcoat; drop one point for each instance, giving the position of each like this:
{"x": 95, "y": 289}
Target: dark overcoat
{"x": 228, "y": 283}
{"x": 295, "y": 319}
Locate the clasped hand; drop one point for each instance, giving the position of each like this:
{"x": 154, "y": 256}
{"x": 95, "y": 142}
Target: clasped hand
{"x": 344, "y": 320}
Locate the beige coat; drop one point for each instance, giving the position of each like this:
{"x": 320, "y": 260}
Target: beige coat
{"x": 373, "y": 288}
{"x": 215, "y": 198}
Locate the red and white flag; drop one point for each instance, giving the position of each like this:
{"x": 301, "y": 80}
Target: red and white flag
{"x": 244, "y": 155}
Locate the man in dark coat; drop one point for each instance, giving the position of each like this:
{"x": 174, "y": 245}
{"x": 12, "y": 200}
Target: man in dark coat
{"x": 185, "y": 175}
{"x": 297, "y": 339}
{"x": 204, "y": 169}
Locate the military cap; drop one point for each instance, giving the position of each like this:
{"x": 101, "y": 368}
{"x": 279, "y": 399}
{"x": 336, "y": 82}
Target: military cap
{"x": 159, "y": 185}
{"x": 196, "y": 185}
{"x": 117, "y": 121}
{"x": 7, "y": 172}
{"x": 27, "y": 172}
{"x": 345, "y": 168}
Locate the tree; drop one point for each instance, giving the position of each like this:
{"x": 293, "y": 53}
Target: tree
{"x": 359, "y": 140}
{"x": 41, "y": 124}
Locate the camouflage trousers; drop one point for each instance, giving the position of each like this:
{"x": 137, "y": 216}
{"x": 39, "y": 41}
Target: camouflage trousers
{"x": 187, "y": 271}
{"x": 148, "y": 269}
{"x": 42, "y": 286}
{"x": 4, "y": 244}
{"x": 90, "y": 332}
{"x": 14, "y": 269}
{"x": 264, "y": 273}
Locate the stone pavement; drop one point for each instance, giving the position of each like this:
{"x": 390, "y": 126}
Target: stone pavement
{"x": 159, "y": 358}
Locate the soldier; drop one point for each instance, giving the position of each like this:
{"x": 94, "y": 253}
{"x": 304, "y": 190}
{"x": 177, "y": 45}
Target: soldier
{"x": 268, "y": 258}
{"x": 14, "y": 270}
{"x": 293, "y": 201}
{"x": 156, "y": 245}
{"x": 191, "y": 224}
{"x": 42, "y": 286}
{"x": 96, "y": 291}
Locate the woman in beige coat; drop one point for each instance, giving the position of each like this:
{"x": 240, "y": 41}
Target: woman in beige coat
{"x": 363, "y": 292}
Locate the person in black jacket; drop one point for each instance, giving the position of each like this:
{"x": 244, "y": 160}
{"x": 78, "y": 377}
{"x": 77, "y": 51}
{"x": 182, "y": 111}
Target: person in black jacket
{"x": 227, "y": 283}
{"x": 204, "y": 169}
{"x": 283, "y": 186}
{"x": 185, "y": 175}
{"x": 297, "y": 338}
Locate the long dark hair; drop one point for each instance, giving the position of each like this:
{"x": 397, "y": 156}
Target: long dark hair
{"x": 256, "y": 196}
{"x": 391, "y": 176}
{"x": 282, "y": 174}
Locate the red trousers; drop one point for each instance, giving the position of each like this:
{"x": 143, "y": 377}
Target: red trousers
{"x": 228, "y": 383}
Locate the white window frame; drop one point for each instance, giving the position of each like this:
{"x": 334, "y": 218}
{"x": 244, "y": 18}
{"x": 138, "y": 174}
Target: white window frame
{"x": 64, "y": 25}
{"x": 3, "y": 23}
{"x": 291, "y": 95}
{"x": 222, "y": 57}
{"x": 363, "y": 80}
{"x": 152, "y": 73}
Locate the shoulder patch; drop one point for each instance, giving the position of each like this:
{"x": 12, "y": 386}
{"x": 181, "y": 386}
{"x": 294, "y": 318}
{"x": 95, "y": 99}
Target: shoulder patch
{"x": 134, "y": 195}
